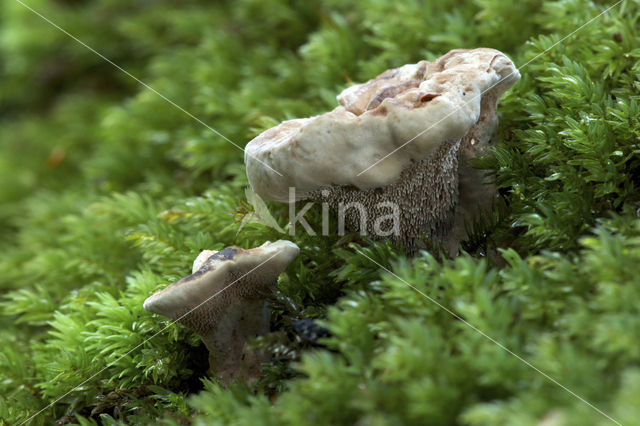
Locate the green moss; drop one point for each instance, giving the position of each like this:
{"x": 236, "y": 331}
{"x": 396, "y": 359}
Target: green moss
{"x": 109, "y": 192}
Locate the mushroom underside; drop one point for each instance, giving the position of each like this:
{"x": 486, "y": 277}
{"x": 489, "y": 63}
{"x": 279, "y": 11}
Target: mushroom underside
{"x": 420, "y": 203}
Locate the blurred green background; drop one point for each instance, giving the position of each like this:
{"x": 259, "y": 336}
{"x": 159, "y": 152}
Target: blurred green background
{"x": 108, "y": 192}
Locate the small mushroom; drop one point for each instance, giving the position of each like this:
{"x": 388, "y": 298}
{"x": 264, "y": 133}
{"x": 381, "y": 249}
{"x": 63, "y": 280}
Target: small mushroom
{"x": 223, "y": 300}
{"x": 404, "y": 139}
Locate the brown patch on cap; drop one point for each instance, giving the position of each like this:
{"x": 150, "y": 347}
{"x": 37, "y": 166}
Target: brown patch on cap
{"x": 381, "y": 111}
{"x": 391, "y": 92}
{"x": 491, "y": 63}
{"x": 228, "y": 253}
{"x": 441, "y": 62}
{"x": 426, "y": 97}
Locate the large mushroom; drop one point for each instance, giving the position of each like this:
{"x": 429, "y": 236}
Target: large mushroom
{"x": 224, "y": 302}
{"x": 397, "y": 145}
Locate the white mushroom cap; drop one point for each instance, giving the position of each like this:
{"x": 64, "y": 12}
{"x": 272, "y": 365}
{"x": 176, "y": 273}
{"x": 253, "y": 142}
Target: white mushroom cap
{"x": 434, "y": 103}
{"x": 242, "y": 271}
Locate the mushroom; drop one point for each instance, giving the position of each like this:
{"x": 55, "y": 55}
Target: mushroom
{"x": 403, "y": 141}
{"x": 223, "y": 300}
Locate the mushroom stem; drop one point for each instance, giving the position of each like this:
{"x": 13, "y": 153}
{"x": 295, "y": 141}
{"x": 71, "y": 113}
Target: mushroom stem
{"x": 230, "y": 357}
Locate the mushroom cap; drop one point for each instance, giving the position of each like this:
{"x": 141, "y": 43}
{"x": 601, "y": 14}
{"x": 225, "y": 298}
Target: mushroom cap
{"x": 214, "y": 271}
{"x": 431, "y": 103}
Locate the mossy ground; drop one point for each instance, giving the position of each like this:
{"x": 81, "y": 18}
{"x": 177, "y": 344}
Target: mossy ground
{"x": 108, "y": 193}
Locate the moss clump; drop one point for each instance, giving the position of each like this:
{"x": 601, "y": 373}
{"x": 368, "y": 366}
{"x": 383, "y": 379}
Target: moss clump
{"x": 108, "y": 193}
